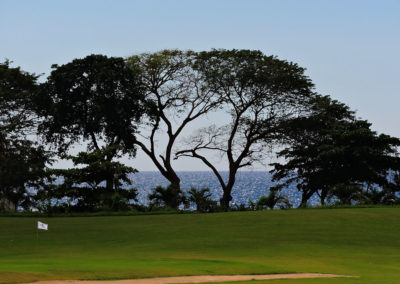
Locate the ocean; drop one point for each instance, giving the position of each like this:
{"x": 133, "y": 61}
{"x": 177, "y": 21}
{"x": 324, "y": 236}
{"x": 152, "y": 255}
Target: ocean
{"x": 249, "y": 185}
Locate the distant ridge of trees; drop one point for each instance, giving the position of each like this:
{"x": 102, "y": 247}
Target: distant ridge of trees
{"x": 117, "y": 106}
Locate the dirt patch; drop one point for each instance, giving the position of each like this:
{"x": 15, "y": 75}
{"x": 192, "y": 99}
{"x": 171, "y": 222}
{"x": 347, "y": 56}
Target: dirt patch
{"x": 195, "y": 279}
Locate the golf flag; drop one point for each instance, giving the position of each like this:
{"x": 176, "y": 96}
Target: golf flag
{"x": 42, "y": 226}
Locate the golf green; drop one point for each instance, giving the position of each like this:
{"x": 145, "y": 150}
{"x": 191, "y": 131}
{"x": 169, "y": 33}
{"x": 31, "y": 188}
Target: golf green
{"x": 362, "y": 242}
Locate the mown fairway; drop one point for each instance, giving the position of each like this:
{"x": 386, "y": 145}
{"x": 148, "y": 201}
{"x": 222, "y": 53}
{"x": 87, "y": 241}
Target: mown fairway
{"x": 362, "y": 242}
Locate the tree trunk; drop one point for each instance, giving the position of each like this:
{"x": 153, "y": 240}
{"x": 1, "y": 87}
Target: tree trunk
{"x": 226, "y": 198}
{"x": 110, "y": 183}
{"x": 110, "y": 173}
{"x": 166, "y": 169}
{"x": 305, "y": 196}
{"x": 322, "y": 197}
{"x": 173, "y": 178}
{"x": 8, "y": 205}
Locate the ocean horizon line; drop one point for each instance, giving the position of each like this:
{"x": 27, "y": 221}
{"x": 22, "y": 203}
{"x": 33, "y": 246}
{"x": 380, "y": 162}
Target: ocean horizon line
{"x": 205, "y": 171}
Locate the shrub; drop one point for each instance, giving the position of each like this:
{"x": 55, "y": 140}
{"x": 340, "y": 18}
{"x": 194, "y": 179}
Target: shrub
{"x": 201, "y": 197}
{"x": 273, "y": 199}
{"x": 171, "y": 197}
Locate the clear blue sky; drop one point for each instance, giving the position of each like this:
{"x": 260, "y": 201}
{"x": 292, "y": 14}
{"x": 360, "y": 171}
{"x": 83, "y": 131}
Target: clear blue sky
{"x": 351, "y": 49}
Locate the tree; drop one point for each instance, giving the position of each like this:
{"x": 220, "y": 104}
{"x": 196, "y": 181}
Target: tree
{"x": 330, "y": 152}
{"x": 179, "y": 97}
{"x": 171, "y": 197}
{"x": 379, "y": 196}
{"x": 96, "y": 99}
{"x": 17, "y": 89}
{"x": 392, "y": 189}
{"x": 81, "y": 188}
{"x": 22, "y": 162}
{"x": 22, "y": 166}
{"x": 273, "y": 199}
{"x": 202, "y": 199}
{"x": 258, "y": 92}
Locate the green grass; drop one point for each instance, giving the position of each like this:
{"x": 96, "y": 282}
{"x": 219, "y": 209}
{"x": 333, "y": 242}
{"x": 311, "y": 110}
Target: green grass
{"x": 364, "y": 242}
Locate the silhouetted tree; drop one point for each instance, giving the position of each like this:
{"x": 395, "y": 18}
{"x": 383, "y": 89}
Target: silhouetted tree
{"x": 179, "y": 97}
{"x": 273, "y": 199}
{"x": 82, "y": 187}
{"x": 96, "y": 99}
{"x": 258, "y": 92}
{"x": 202, "y": 199}
{"x": 330, "y": 152}
{"x": 22, "y": 161}
{"x": 171, "y": 197}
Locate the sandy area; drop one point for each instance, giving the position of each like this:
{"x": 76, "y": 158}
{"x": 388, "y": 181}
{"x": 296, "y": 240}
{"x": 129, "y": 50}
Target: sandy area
{"x": 194, "y": 279}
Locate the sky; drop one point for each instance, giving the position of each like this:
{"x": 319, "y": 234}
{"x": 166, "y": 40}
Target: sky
{"x": 349, "y": 48}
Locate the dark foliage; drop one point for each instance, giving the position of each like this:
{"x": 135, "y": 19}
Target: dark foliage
{"x": 95, "y": 99}
{"x": 171, "y": 197}
{"x": 272, "y": 200}
{"x": 22, "y": 162}
{"x": 82, "y": 188}
{"x": 202, "y": 199}
{"x": 332, "y": 153}
{"x": 100, "y": 101}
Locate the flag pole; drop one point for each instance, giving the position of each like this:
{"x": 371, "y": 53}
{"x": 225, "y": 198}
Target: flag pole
{"x": 37, "y": 239}
{"x": 40, "y": 226}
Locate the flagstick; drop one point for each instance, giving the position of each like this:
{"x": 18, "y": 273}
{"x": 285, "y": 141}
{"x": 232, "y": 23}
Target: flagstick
{"x": 37, "y": 240}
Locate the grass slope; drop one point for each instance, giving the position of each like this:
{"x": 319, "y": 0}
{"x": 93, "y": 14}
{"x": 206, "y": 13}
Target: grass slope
{"x": 363, "y": 242}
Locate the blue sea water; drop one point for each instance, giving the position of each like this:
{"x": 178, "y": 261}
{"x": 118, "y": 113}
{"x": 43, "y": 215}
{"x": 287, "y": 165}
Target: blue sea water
{"x": 249, "y": 185}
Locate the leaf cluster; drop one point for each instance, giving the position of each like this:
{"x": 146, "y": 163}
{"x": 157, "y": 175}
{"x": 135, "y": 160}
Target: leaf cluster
{"x": 95, "y": 99}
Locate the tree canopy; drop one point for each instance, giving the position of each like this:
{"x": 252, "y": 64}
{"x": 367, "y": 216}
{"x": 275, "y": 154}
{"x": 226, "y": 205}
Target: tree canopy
{"x": 114, "y": 106}
{"x": 179, "y": 96}
{"x": 22, "y": 161}
{"x": 96, "y": 99}
{"x": 258, "y": 92}
{"x": 331, "y": 150}
{"x": 17, "y": 89}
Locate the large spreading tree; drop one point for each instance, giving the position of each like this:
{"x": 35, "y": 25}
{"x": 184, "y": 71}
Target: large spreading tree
{"x": 179, "y": 96}
{"x": 258, "y": 92}
{"x": 332, "y": 153}
{"x": 22, "y": 161}
{"x": 97, "y": 100}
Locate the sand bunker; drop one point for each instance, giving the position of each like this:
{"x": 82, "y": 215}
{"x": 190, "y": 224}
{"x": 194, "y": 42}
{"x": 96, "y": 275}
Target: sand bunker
{"x": 195, "y": 279}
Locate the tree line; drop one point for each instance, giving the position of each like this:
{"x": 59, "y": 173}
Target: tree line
{"x": 116, "y": 106}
